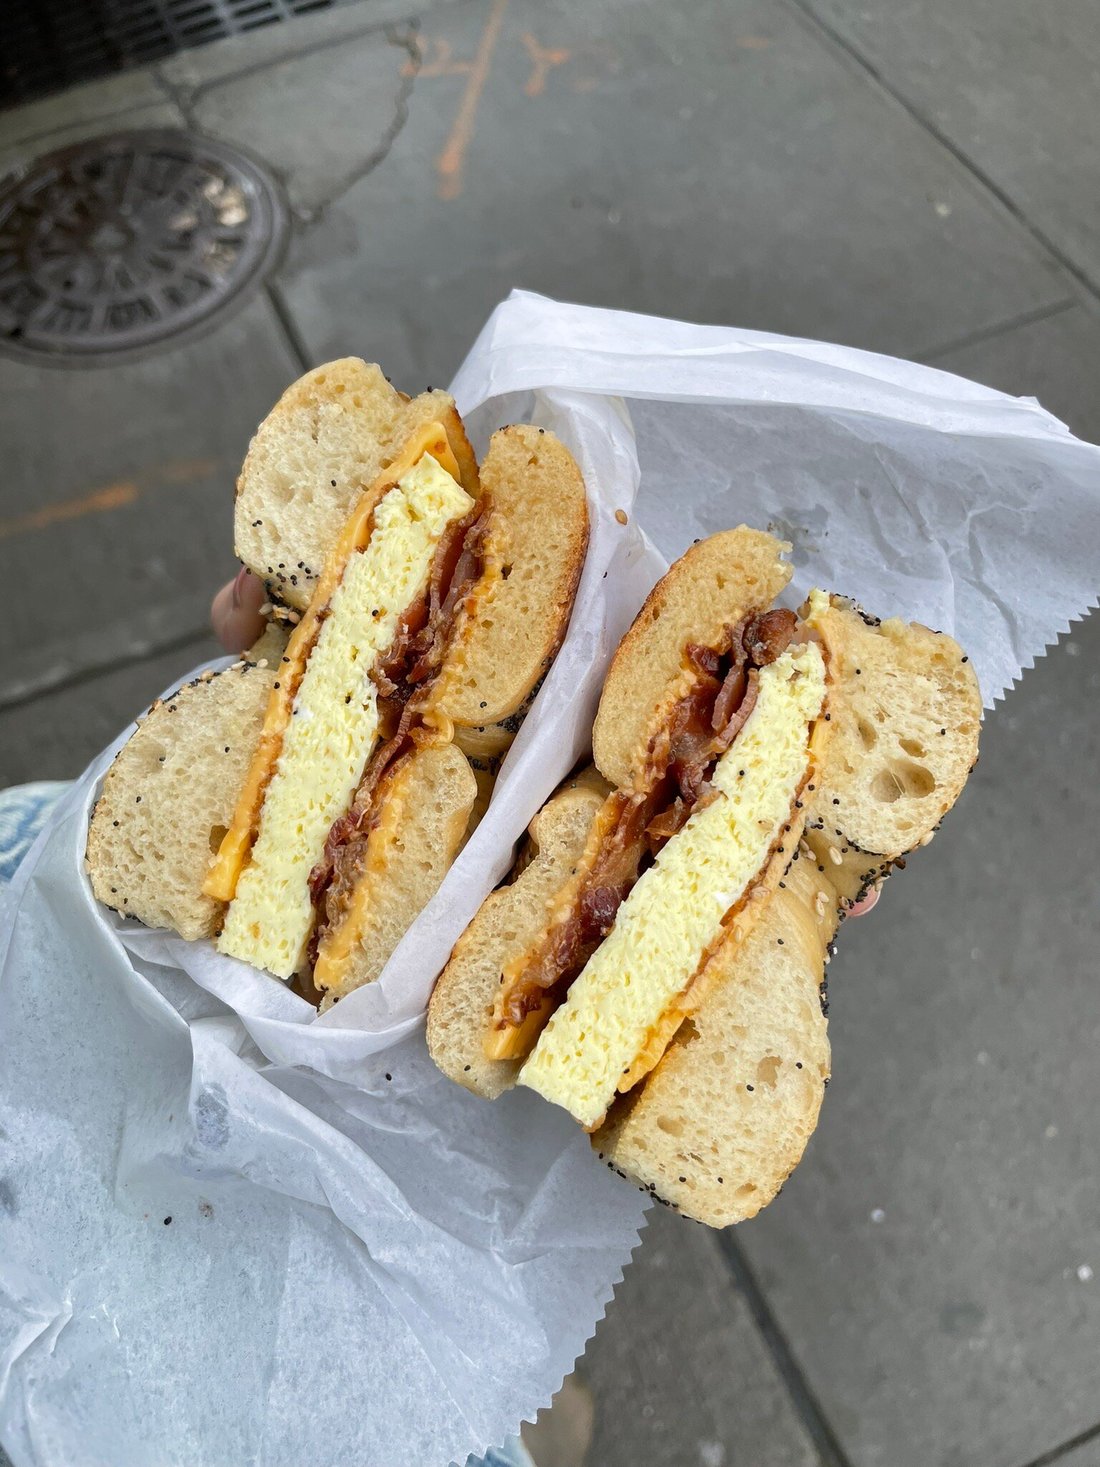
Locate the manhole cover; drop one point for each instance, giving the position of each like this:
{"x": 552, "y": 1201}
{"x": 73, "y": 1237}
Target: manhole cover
{"x": 119, "y": 242}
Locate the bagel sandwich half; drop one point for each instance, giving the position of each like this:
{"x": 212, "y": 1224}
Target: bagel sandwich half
{"x": 442, "y": 599}
{"x": 656, "y": 963}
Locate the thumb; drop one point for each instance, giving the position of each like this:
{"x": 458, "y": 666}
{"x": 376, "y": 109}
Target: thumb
{"x": 235, "y": 613}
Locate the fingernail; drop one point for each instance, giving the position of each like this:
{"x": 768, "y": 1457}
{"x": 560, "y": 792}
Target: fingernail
{"x": 238, "y": 587}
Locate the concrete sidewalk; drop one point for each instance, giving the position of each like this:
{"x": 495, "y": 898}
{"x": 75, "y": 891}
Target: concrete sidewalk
{"x": 917, "y": 179}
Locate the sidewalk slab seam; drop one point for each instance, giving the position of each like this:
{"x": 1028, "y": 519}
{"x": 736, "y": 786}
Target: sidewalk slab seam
{"x": 977, "y": 175}
{"x": 1005, "y": 196}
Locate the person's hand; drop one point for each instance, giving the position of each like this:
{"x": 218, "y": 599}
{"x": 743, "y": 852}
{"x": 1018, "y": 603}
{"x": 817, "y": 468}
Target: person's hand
{"x": 860, "y": 909}
{"x": 235, "y": 612}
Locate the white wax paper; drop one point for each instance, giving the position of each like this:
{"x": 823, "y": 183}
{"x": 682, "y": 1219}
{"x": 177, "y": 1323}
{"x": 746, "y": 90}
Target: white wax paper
{"x": 365, "y": 1265}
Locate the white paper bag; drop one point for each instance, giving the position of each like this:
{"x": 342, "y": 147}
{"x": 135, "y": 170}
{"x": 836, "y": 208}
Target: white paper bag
{"x": 231, "y": 1231}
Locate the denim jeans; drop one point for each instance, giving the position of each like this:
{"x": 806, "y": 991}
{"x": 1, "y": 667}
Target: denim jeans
{"x": 23, "y": 812}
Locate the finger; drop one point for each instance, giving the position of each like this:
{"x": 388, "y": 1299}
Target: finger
{"x": 861, "y": 908}
{"x": 235, "y": 613}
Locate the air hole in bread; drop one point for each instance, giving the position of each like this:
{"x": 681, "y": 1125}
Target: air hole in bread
{"x": 868, "y": 734}
{"x": 281, "y": 488}
{"x": 671, "y": 1125}
{"x": 686, "y": 1032}
{"x": 340, "y": 388}
{"x": 767, "y": 1071}
{"x": 746, "y": 1189}
{"x": 918, "y": 780}
{"x": 898, "y": 779}
{"x": 217, "y": 835}
{"x": 886, "y": 787}
{"x": 912, "y": 746}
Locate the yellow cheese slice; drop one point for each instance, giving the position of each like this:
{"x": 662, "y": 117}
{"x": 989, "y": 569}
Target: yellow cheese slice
{"x": 222, "y": 878}
{"x": 674, "y": 914}
{"x": 333, "y": 724}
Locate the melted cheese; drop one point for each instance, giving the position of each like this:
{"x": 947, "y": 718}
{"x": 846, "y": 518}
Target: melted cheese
{"x": 221, "y": 880}
{"x": 673, "y": 916}
{"x": 338, "y": 944}
{"x": 334, "y": 724}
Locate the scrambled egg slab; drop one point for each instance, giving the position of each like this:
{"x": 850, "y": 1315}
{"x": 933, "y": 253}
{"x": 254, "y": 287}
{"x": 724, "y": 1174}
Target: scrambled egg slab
{"x": 334, "y": 725}
{"x": 675, "y": 910}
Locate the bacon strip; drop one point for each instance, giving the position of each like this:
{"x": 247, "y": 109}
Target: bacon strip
{"x": 700, "y": 728}
{"x": 401, "y": 674}
{"x": 569, "y": 943}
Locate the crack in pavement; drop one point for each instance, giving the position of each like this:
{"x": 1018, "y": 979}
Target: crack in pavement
{"x": 407, "y": 40}
{"x": 401, "y": 34}
{"x": 184, "y": 93}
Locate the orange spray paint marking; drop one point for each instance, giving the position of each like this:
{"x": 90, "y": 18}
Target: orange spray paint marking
{"x": 542, "y": 59}
{"x": 442, "y": 63}
{"x": 183, "y": 470}
{"x": 451, "y": 161}
{"x": 113, "y": 496}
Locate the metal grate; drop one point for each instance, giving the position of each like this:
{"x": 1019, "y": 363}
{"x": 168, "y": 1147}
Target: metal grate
{"x": 52, "y": 44}
{"x": 116, "y": 243}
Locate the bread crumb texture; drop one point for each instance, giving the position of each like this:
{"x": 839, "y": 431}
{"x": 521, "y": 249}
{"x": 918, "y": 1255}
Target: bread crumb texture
{"x": 168, "y": 799}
